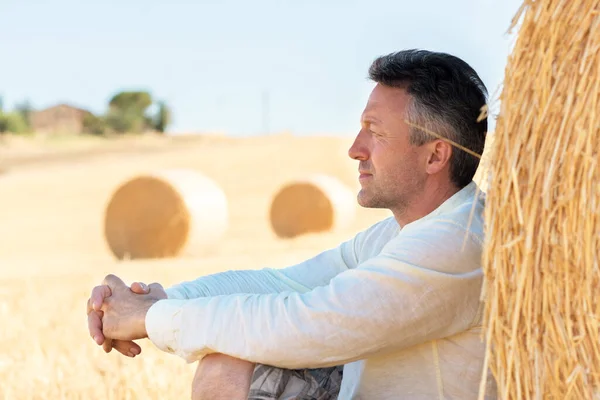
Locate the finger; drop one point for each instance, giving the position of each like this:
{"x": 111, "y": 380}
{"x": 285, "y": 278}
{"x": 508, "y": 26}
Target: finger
{"x": 126, "y": 347}
{"x": 107, "y": 346}
{"x": 157, "y": 291}
{"x": 156, "y": 286}
{"x": 99, "y": 293}
{"x": 95, "y": 326}
{"x": 113, "y": 281}
{"x": 140, "y": 288}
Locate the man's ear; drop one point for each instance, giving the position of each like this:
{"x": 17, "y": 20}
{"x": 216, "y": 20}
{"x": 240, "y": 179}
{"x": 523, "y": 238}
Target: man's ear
{"x": 440, "y": 152}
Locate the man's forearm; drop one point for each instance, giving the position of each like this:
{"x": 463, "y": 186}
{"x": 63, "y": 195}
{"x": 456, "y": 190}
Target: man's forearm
{"x": 233, "y": 282}
{"x": 301, "y": 277}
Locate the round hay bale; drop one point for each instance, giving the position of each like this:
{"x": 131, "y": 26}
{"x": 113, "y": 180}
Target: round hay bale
{"x": 165, "y": 213}
{"x": 315, "y": 204}
{"x": 542, "y": 211}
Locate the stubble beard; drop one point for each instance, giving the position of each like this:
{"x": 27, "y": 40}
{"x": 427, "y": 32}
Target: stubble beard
{"x": 396, "y": 199}
{"x": 373, "y": 197}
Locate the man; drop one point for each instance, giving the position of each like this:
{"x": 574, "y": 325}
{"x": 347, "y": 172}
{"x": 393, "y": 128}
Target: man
{"x": 397, "y": 306}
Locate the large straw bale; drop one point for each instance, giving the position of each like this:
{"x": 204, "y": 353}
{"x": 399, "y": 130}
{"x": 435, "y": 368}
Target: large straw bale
{"x": 482, "y": 175}
{"x": 542, "y": 250}
{"x": 313, "y": 204}
{"x": 164, "y": 214}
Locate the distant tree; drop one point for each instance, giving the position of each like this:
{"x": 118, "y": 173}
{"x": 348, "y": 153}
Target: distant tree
{"x": 124, "y": 121}
{"x": 94, "y": 125}
{"x": 162, "y": 118}
{"x": 138, "y": 101}
{"x": 2, "y": 123}
{"x": 13, "y": 122}
{"x": 127, "y": 111}
{"x": 25, "y": 109}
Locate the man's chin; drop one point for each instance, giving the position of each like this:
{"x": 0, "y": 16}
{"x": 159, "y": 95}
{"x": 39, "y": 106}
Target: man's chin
{"x": 364, "y": 200}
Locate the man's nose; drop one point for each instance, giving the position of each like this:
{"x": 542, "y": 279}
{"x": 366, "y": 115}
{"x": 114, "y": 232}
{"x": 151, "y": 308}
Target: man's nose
{"x": 359, "y": 149}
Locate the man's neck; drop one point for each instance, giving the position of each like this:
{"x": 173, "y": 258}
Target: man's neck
{"x": 430, "y": 198}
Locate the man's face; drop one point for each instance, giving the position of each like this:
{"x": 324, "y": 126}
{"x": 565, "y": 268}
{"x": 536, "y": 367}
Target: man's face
{"x": 392, "y": 171}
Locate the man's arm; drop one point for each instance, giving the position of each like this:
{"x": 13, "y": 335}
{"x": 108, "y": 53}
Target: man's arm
{"x": 302, "y": 277}
{"x": 418, "y": 289}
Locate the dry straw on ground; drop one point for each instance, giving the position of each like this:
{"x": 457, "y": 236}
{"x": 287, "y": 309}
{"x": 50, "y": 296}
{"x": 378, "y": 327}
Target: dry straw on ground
{"x": 543, "y": 209}
{"x": 164, "y": 214}
{"x": 315, "y": 204}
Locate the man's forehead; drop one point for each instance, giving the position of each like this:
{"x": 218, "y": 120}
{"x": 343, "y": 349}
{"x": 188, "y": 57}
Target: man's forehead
{"x": 378, "y": 110}
{"x": 383, "y": 93}
{"x": 372, "y": 109}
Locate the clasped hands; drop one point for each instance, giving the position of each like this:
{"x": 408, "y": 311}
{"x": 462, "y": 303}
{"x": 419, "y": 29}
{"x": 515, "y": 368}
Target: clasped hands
{"x": 117, "y": 313}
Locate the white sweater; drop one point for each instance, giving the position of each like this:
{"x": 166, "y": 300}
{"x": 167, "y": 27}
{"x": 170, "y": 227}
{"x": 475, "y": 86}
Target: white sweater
{"x": 399, "y": 308}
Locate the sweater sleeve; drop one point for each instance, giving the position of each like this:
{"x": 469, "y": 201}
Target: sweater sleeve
{"x": 302, "y": 277}
{"x": 419, "y": 288}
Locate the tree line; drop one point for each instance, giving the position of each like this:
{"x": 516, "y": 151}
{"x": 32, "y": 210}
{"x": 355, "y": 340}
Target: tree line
{"x": 127, "y": 112}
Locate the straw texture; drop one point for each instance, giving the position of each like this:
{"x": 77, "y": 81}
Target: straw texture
{"x": 314, "y": 204}
{"x": 542, "y": 274}
{"x": 164, "y": 214}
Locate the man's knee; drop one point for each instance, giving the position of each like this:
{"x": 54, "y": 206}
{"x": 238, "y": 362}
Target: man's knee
{"x": 222, "y": 377}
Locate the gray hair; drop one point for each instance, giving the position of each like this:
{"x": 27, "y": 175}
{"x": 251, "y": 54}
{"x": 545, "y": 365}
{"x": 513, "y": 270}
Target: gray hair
{"x": 447, "y": 97}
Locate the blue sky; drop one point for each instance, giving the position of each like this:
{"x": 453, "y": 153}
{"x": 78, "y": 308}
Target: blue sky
{"x": 213, "y": 61}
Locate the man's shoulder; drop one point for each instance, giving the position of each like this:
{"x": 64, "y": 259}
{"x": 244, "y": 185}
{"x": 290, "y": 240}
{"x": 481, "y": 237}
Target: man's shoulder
{"x": 468, "y": 216}
{"x": 465, "y": 217}
{"x": 451, "y": 242}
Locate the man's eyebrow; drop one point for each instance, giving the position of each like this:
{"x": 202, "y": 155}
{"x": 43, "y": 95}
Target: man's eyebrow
{"x": 369, "y": 119}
